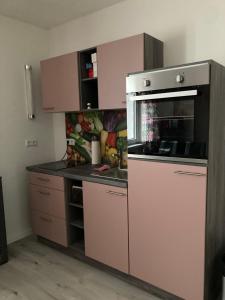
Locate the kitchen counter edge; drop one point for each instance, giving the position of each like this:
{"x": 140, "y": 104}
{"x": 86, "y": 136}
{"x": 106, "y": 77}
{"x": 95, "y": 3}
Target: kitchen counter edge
{"x": 77, "y": 175}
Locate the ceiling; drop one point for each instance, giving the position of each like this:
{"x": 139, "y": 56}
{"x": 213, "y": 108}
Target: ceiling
{"x": 50, "y": 13}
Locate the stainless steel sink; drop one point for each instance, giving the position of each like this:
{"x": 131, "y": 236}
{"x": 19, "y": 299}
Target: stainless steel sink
{"x": 114, "y": 173}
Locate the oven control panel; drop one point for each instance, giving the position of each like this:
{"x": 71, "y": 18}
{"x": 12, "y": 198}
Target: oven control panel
{"x": 168, "y": 78}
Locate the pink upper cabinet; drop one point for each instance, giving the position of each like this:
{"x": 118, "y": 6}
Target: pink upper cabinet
{"x": 167, "y": 210}
{"x": 115, "y": 60}
{"x": 60, "y": 84}
{"x": 106, "y": 224}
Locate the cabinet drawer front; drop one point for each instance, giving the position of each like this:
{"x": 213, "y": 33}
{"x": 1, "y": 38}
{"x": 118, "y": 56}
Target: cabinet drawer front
{"x": 47, "y": 201}
{"x": 106, "y": 224}
{"x": 49, "y": 227}
{"x": 46, "y": 180}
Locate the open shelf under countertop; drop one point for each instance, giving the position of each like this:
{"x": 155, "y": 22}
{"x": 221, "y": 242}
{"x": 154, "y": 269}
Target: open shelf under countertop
{"x": 89, "y": 78}
{"x": 79, "y": 246}
{"x": 77, "y": 223}
{"x": 78, "y": 204}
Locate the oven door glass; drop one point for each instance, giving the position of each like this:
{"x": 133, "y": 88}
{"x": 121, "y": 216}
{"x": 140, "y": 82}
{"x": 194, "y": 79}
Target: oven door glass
{"x": 169, "y": 124}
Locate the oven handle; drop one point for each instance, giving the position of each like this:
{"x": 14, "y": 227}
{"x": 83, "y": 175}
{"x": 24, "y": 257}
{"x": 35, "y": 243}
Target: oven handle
{"x": 164, "y": 95}
{"x": 134, "y": 145}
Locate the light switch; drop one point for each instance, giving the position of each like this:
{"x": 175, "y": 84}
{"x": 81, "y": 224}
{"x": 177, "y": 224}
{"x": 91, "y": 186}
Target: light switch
{"x": 70, "y": 142}
{"x": 31, "y": 143}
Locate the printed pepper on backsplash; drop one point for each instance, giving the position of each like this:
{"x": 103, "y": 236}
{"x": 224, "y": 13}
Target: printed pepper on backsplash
{"x": 110, "y": 127}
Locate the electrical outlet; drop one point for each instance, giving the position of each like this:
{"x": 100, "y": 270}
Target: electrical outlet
{"x": 31, "y": 143}
{"x": 70, "y": 142}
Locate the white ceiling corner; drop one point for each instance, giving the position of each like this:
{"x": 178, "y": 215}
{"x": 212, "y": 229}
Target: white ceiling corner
{"x": 50, "y": 13}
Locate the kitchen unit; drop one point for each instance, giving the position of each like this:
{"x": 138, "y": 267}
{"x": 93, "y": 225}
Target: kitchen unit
{"x": 176, "y": 145}
{"x": 67, "y": 84}
{"x": 97, "y": 212}
{"x": 63, "y": 210}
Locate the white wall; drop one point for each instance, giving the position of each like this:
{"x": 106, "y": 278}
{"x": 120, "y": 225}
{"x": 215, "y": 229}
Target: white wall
{"x": 20, "y": 43}
{"x": 192, "y": 30}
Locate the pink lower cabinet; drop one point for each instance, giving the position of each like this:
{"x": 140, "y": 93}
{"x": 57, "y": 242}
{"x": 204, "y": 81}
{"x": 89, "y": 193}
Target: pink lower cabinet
{"x": 167, "y": 208}
{"x": 49, "y": 227}
{"x": 106, "y": 224}
{"x": 47, "y": 204}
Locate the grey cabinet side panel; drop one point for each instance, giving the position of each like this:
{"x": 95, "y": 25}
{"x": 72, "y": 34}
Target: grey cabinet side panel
{"x": 215, "y": 221}
{"x": 153, "y": 52}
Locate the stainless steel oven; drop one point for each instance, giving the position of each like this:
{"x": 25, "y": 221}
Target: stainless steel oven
{"x": 168, "y": 113}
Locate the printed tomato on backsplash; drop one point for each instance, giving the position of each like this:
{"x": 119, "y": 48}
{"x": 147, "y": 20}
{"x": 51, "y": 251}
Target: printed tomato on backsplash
{"x": 69, "y": 125}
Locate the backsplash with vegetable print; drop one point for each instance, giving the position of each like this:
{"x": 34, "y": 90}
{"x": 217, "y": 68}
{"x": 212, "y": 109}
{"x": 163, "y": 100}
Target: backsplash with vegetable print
{"x": 110, "y": 127}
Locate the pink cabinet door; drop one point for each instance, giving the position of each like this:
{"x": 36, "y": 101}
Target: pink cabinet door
{"x": 60, "y": 85}
{"x": 115, "y": 60}
{"x": 167, "y": 208}
{"x": 106, "y": 224}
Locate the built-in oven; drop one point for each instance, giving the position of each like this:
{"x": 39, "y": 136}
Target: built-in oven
{"x": 168, "y": 113}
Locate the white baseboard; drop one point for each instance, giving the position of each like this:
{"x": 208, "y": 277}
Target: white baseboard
{"x": 18, "y": 236}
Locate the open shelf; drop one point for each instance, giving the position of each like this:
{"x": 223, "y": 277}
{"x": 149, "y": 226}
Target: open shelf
{"x": 77, "y": 223}
{"x": 75, "y": 215}
{"x": 78, "y": 246}
{"x": 88, "y": 85}
{"x": 79, "y": 205}
{"x": 89, "y": 93}
{"x": 89, "y": 79}
{"x": 77, "y": 239}
{"x": 76, "y": 197}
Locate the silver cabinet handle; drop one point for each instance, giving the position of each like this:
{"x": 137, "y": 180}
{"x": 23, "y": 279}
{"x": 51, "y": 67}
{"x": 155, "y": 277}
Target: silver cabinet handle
{"x": 43, "y": 179}
{"x": 44, "y": 193}
{"x": 116, "y": 193}
{"x": 189, "y": 173}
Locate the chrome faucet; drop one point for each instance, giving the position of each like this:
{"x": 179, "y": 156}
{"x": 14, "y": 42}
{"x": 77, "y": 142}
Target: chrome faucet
{"x": 120, "y": 158}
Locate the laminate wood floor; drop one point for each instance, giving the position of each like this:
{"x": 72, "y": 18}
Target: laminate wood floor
{"x": 37, "y": 272}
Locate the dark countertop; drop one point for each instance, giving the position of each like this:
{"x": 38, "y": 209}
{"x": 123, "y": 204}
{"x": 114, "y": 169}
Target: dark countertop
{"x": 86, "y": 172}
